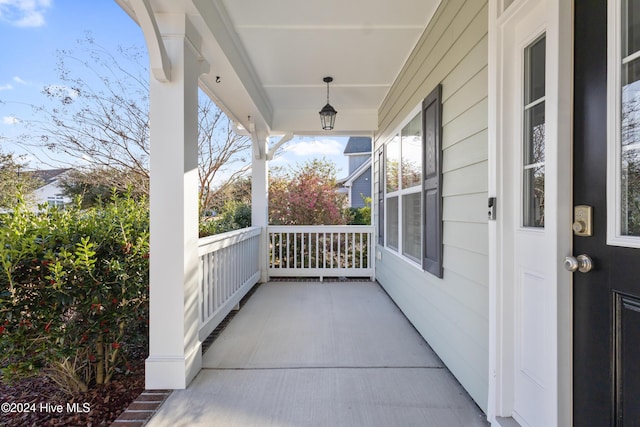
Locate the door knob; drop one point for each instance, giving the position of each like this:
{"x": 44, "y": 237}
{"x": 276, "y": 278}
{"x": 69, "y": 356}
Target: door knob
{"x": 582, "y": 263}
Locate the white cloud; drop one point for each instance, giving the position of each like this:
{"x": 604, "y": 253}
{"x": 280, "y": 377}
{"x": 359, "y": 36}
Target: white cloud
{"x": 18, "y": 79}
{"x": 5, "y": 87}
{"x": 279, "y": 160}
{"x": 24, "y": 13}
{"x": 327, "y": 147}
{"x": 10, "y": 120}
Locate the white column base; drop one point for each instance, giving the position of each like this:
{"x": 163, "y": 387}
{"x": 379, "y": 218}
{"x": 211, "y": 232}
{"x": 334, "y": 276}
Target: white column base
{"x": 172, "y": 373}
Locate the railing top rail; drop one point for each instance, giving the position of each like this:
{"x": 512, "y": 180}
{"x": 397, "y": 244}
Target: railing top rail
{"x": 320, "y": 228}
{"x": 223, "y": 240}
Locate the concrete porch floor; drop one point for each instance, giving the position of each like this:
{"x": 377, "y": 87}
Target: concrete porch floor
{"x": 320, "y": 354}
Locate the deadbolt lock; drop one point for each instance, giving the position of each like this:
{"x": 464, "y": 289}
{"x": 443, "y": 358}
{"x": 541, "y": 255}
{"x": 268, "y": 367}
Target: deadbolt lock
{"x": 583, "y": 220}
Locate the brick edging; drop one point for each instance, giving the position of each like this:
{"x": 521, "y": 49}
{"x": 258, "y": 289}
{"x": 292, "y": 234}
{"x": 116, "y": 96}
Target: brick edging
{"x": 140, "y": 411}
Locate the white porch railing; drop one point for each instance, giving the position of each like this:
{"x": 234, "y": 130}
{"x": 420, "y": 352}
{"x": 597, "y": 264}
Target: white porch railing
{"x": 229, "y": 267}
{"x": 320, "y": 251}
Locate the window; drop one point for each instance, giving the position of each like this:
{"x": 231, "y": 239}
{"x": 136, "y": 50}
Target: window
{"x": 403, "y": 173}
{"x": 392, "y": 222}
{"x": 411, "y": 226}
{"x": 412, "y": 169}
{"x": 411, "y": 173}
{"x": 623, "y": 156}
{"x": 630, "y": 121}
{"x": 392, "y": 160}
{"x": 381, "y": 197}
{"x": 57, "y": 200}
{"x": 534, "y": 134}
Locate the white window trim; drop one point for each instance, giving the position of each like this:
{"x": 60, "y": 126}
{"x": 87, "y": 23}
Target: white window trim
{"x": 614, "y": 105}
{"x": 400, "y": 192}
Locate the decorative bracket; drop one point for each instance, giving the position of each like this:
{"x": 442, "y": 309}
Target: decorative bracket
{"x": 158, "y": 57}
{"x": 272, "y": 151}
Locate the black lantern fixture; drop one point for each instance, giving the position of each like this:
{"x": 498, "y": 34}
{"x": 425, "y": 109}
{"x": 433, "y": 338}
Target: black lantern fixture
{"x": 328, "y": 113}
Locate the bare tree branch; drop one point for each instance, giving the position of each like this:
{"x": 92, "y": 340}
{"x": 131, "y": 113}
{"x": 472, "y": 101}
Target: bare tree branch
{"x": 97, "y": 119}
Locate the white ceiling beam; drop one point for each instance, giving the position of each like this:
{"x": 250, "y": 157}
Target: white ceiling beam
{"x": 220, "y": 25}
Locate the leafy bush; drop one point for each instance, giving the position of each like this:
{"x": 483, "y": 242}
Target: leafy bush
{"x": 232, "y": 216}
{"x": 361, "y": 216}
{"x": 74, "y": 290}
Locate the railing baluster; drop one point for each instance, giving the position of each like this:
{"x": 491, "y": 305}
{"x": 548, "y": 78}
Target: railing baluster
{"x": 317, "y": 250}
{"x": 286, "y": 249}
{"x": 353, "y": 249}
{"x": 361, "y": 247}
{"x": 208, "y": 285}
{"x": 331, "y": 239}
{"x": 272, "y": 255}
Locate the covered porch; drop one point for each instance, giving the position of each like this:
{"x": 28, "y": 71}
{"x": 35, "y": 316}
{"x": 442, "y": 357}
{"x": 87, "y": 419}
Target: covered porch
{"x": 308, "y": 353}
{"x": 325, "y": 353}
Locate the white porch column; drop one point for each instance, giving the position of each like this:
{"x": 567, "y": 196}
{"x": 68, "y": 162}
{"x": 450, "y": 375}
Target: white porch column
{"x": 174, "y": 349}
{"x": 260, "y": 198}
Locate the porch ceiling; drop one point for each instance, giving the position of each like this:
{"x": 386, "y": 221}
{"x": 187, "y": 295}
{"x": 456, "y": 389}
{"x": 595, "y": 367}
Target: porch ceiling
{"x": 271, "y": 56}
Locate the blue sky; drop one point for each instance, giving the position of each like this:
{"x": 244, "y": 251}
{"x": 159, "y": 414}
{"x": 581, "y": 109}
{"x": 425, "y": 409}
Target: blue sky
{"x": 32, "y": 31}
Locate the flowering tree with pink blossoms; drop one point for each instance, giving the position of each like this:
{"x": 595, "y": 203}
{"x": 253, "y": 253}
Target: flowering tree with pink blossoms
{"x": 307, "y": 196}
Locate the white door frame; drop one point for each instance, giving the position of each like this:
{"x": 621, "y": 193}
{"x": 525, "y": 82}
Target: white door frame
{"x": 502, "y": 313}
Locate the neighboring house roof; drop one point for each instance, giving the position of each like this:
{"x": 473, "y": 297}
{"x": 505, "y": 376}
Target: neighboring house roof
{"x": 346, "y": 182}
{"x": 358, "y": 145}
{"x": 48, "y": 175}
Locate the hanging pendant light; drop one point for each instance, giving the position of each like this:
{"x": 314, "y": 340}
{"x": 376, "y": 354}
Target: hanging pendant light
{"x": 328, "y": 113}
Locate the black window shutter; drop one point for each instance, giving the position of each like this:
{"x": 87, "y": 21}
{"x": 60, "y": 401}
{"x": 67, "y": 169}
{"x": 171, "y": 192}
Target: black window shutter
{"x": 432, "y": 182}
{"x": 381, "y": 173}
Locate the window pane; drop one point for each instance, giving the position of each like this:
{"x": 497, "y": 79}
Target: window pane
{"x": 630, "y": 150}
{"x": 411, "y": 220}
{"x": 393, "y": 158}
{"x": 630, "y": 27}
{"x": 392, "y": 222}
{"x": 412, "y": 153}
{"x": 533, "y": 144}
{"x": 534, "y": 197}
{"x": 534, "y": 134}
{"x": 381, "y": 197}
{"x": 534, "y": 63}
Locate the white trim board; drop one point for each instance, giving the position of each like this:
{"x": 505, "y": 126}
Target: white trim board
{"x": 502, "y": 232}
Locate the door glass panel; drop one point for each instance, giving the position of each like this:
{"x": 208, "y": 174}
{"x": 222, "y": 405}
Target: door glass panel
{"x": 630, "y": 27}
{"x": 534, "y": 134}
{"x": 630, "y": 122}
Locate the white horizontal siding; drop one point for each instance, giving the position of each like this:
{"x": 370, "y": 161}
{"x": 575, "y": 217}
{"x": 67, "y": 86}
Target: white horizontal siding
{"x": 457, "y": 334}
{"x": 466, "y": 208}
{"x": 451, "y": 313}
{"x": 456, "y": 29}
{"x": 468, "y": 180}
{"x": 465, "y": 125}
{"x": 472, "y": 265}
{"x": 465, "y": 152}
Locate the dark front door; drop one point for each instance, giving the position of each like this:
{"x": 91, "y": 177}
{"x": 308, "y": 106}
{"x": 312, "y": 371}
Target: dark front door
{"x": 606, "y": 348}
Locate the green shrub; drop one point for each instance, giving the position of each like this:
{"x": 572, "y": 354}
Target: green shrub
{"x": 74, "y": 290}
{"x": 232, "y": 216}
{"x": 361, "y": 216}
